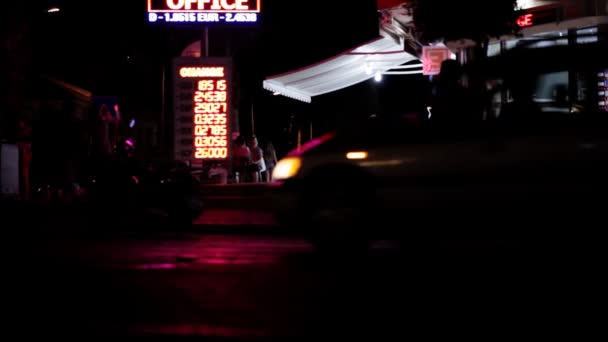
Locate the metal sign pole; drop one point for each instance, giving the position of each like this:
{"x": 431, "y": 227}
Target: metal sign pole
{"x": 162, "y": 110}
{"x": 205, "y": 42}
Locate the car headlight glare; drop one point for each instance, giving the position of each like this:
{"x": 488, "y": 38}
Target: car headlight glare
{"x": 286, "y": 168}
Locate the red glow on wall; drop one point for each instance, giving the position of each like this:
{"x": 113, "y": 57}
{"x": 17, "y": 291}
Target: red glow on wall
{"x": 525, "y": 20}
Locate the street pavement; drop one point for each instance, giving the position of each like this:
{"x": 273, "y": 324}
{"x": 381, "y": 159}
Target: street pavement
{"x": 241, "y": 279}
{"x": 235, "y": 217}
{"x": 240, "y": 286}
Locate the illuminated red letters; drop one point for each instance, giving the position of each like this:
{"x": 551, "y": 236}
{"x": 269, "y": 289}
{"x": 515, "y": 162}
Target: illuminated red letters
{"x": 525, "y": 20}
{"x": 214, "y": 5}
{"x": 197, "y": 72}
{"x": 211, "y": 136}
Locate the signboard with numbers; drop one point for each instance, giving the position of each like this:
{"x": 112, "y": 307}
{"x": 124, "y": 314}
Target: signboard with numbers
{"x": 202, "y": 93}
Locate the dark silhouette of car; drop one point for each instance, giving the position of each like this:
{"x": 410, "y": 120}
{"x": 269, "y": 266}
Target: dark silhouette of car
{"x": 519, "y": 171}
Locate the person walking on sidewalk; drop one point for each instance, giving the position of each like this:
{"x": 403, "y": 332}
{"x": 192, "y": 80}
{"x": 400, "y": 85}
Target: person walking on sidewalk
{"x": 270, "y": 159}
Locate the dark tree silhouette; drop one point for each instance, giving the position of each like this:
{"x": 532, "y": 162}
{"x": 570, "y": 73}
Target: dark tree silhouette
{"x": 16, "y": 61}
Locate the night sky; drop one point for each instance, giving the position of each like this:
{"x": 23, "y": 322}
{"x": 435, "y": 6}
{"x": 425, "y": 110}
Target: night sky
{"x": 109, "y": 48}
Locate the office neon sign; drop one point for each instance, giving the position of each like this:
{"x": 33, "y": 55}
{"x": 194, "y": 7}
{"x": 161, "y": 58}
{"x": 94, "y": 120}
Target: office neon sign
{"x": 203, "y": 11}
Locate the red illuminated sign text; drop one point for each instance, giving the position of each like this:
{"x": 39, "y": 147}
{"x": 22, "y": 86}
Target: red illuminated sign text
{"x": 525, "y": 20}
{"x": 211, "y": 136}
{"x": 197, "y": 72}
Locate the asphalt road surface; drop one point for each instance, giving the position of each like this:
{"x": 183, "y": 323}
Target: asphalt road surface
{"x": 243, "y": 286}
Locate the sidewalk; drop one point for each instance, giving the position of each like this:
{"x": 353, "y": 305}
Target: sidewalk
{"x": 248, "y": 206}
{"x": 238, "y": 196}
{"x": 227, "y": 209}
{"x": 235, "y": 217}
{"x": 60, "y": 218}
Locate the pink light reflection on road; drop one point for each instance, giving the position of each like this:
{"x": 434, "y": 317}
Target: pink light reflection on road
{"x": 163, "y": 266}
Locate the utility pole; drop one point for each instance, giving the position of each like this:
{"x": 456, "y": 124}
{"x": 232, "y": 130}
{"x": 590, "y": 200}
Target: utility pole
{"x": 252, "y": 119}
{"x": 311, "y": 135}
{"x": 205, "y": 42}
{"x": 162, "y": 110}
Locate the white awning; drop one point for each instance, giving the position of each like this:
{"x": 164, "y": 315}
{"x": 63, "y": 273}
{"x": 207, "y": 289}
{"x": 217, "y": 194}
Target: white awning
{"x": 344, "y": 70}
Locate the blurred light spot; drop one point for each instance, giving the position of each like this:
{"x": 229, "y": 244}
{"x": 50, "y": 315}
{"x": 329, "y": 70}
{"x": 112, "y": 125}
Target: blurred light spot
{"x": 382, "y": 163}
{"x": 378, "y": 77}
{"x": 53, "y": 10}
{"x": 286, "y": 168}
{"x": 358, "y": 155}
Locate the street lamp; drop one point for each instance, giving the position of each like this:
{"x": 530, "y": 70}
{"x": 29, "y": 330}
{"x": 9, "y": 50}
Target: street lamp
{"x": 378, "y": 76}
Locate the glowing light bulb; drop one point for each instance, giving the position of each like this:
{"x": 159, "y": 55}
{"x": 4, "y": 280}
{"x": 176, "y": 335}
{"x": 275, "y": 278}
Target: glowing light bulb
{"x": 378, "y": 77}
